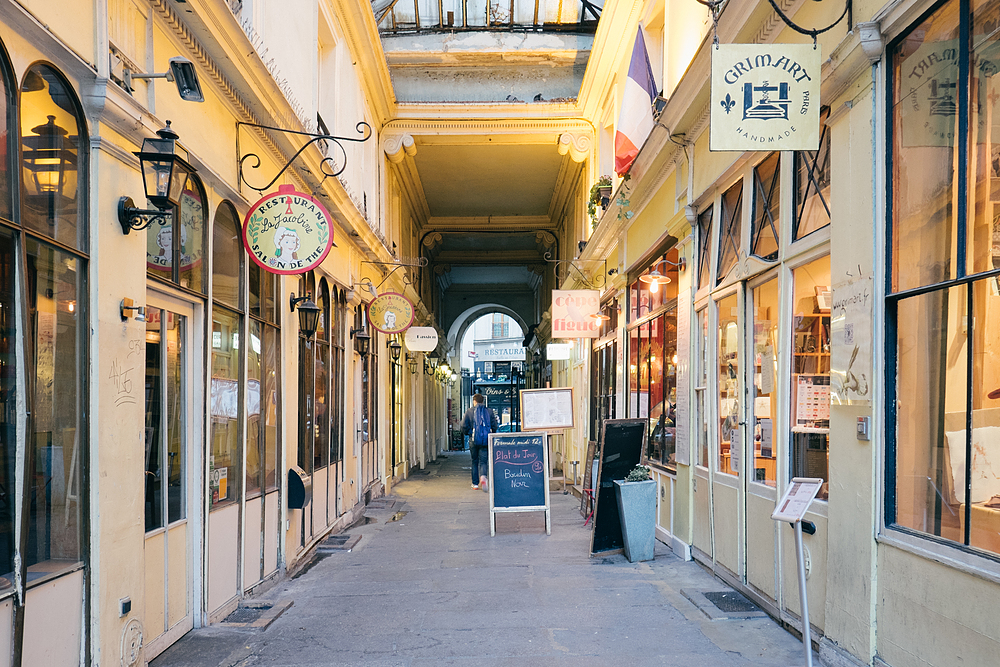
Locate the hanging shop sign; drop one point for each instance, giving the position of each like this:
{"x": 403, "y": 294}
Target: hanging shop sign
{"x": 765, "y": 97}
{"x": 571, "y": 313}
{"x": 287, "y": 232}
{"x": 391, "y": 313}
{"x": 421, "y": 339}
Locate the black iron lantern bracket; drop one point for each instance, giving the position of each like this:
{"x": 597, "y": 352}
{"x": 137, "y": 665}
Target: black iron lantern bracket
{"x": 328, "y": 165}
{"x": 130, "y": 217}
{"x": 564, "y": 267}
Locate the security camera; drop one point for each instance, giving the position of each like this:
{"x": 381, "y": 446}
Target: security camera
{"x": 182, "y": 73}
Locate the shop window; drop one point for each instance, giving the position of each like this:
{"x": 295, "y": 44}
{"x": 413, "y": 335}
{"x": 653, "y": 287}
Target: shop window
{"x": 181, "y": 263}
{"x": 604, "y": 370}
{"x": 653, "y": 359}
{"x": 307, "y": 371}
{"x": 731, "y": 230}
{"x": 812, "y": 184}
{"x": 53, "y": 158}
{"x": 8, "y": 97}
{"x": 765, "y": 359}
{"x": 702, "y": 346}
{"x": 224, "y": 455}
{"x": 338, "y": 334}
{"x": 56, "y": 289}
{"x": 164, "y": 435}
{"x": 263, "y": 388}
{"x": 705, "y": 246}
{"x": 8, "y": 401}
{"x": 943, "y": 308}
{"x": 766, "y": 204}
{"x": 810, "y": 382}
{"x": 321, "y": 379}
{"x": 227, "y": 257}
{"x": 729, "y": 385}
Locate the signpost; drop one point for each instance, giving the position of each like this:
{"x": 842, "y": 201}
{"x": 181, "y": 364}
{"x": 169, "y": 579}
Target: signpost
{"x": 791, "y": 508}
{"x": 519, "y": 475}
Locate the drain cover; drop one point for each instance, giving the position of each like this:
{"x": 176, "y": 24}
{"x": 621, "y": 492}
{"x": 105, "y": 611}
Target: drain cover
{"x": 730, "y": 601}
{"x": 246, "y": 614}
{"x": 381, "y": 504}
{"x": 343, "y": 541}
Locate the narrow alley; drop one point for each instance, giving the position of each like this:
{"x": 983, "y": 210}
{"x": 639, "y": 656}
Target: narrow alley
{"x": 427, "y": 585}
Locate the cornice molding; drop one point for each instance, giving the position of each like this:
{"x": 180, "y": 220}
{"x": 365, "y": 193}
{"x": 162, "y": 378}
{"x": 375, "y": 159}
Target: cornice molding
{"x": 483, "y": 126}
{"x": 517, "y": 223}
{"x": 576, "y": 144}
{"x": 398, "y": 146}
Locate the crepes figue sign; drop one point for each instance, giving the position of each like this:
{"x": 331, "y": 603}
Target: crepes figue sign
{"x": 287, "y": 232}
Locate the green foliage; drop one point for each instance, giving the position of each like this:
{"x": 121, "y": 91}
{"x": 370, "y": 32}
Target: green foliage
{"x": 640, "y": 473}
{"x": 595, "y": 197}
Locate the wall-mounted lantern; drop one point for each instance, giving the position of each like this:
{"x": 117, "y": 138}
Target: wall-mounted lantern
{"x": 394, "y": 350}
{"x": 362, "y": 341}
{"x": 309, "y": 313}
{"x": 411, "y": 361}
{"x": 164, "y": 174}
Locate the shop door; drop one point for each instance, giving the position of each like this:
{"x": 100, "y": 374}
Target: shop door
{"x": 761, "y": 435}
{"x": 170, "y": 510}
{"x": 728, "y": 491}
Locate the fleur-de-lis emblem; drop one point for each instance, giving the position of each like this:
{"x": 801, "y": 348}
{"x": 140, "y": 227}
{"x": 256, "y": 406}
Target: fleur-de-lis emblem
{"x": 728, "y": 103}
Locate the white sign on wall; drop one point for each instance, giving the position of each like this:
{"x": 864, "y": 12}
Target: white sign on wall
{"x": 851, "y": 343}
{"x": 571, "y": 313}
{"x": 421, "y": 339}
{"x": 765, "y": 97}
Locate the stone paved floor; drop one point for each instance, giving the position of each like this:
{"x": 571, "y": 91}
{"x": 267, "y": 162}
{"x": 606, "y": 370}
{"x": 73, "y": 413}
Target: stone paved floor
{"x": 431, "y": 587}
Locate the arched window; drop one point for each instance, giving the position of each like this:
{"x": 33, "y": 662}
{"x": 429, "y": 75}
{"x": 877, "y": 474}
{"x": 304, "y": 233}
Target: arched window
{"x": 53, "y": 141}
{"x": 181, "y": 263}
{"x": 227, "y": 257}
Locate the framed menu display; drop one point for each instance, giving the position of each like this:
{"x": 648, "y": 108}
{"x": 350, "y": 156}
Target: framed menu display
{"x": 546, "y": 409}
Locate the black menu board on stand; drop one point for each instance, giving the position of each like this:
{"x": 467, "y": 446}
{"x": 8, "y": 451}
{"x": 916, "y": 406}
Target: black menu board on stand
{"x": 621, "y": 447}
{"x": 519, "y": 475}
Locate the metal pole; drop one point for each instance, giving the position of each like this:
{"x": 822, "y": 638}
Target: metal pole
{"x": 800, "y": 557}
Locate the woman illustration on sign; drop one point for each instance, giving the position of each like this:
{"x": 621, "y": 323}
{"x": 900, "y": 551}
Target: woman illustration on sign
{"x": 286, "y": 241}
{"x": 390, "y": 320}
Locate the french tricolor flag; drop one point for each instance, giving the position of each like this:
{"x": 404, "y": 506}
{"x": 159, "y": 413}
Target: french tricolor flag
{"x": 636, "y": 119}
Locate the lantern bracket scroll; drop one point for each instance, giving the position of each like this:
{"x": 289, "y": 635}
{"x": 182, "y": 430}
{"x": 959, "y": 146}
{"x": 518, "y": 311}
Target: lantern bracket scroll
{"x": 564, "y": 268}
{"x": 328, "y": 165}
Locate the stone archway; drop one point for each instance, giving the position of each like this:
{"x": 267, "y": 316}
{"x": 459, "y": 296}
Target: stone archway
{"x": 461, "y": 324}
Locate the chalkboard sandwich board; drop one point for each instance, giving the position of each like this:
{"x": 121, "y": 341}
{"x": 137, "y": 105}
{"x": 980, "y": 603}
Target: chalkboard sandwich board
{"x": 621, "y": 447}
{"x": 519, "y": 475}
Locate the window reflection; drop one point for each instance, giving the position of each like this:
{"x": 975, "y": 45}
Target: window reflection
{"x": 55, "y": 287}
{"x": 730, "y": 445}
{"x": 224, "y": 460}
{"x": 8, "y": 407}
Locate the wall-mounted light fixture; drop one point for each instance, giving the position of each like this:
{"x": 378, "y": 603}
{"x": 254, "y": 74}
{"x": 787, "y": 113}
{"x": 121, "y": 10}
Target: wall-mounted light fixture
{"x": 309, "y": 313}
{"x": 129, "y": 309}
{"x": 362, "y": 341}
{"x": 365, "y": 283}
{"x": 429, "y": 364}
{"x": 654, "y": 278}
{"x": 182, "y": 73}
{"x": 411, "y": 361}
{"x": 394, "y": 350}
{"x": 164, "y": 174}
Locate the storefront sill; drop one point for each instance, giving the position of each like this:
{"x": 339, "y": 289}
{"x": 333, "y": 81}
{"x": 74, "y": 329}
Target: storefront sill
{"x": 976, "y": 565}
{"x": 52, "y": 576}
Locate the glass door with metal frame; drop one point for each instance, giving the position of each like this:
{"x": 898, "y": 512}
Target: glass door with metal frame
{"x": 169, "y": 437}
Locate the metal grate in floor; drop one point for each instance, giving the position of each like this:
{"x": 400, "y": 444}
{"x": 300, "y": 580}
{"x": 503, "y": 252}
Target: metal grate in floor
{"x": 344, "y": 541}
{"x": 246, "y": 614}
{"x": 730, "y": 601}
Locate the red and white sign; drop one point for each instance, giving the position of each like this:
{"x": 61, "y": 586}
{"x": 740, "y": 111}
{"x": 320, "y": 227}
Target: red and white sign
{"x": 571, "y": 313}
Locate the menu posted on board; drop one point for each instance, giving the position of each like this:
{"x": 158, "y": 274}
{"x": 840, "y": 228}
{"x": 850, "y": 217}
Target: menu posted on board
{"x": 519, "y": 477}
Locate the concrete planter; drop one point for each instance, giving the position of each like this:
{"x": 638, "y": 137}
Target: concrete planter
{"x": 637, "y": 509}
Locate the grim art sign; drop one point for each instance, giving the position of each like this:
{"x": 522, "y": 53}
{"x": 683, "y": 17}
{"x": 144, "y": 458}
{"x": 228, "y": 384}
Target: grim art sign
{"x": 287, "y": 232}
{"x": 765, "y": 97}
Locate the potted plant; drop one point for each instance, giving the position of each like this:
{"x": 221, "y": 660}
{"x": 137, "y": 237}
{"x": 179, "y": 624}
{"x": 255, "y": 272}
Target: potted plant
{"x": 600, "y": 194}
{"x": 637, "y": 509}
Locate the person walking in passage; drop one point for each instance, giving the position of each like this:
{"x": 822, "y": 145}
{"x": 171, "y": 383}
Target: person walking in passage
{"x": 479, "y": 422}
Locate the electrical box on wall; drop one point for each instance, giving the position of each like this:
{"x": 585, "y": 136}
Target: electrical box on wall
{"x": 864, "y": 428}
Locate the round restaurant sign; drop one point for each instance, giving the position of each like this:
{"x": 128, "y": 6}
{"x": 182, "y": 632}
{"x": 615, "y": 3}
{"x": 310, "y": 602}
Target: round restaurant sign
{"x": 287, "y": 232}
{"x": 390, "y": 313}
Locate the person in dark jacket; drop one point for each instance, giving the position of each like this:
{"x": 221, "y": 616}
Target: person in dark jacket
{"x": 479, "y": 449}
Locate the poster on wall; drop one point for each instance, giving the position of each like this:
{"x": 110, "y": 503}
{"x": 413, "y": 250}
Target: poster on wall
{"x": 765, "y": 97}
{"x": 571, "y": 313}
{"x": 287, "y": 232}
{"x": 160, "y": 237}
{"x": 851, "y": 343}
